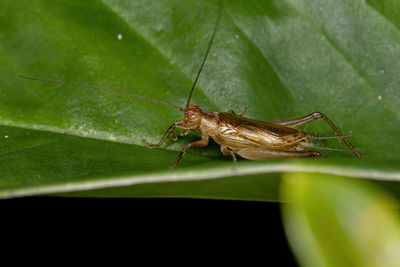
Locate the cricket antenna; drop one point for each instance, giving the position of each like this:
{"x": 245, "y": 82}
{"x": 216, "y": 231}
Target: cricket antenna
{"x": 220, "y": 5}
{"x": 104, "y": 90}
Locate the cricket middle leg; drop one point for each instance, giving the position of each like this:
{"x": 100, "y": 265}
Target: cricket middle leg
{"x": 226, "y": 151}
{"x": 199, "y": 143}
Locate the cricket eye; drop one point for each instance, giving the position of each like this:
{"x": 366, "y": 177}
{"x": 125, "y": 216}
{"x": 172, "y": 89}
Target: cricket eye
{"x": 193, "y": 117}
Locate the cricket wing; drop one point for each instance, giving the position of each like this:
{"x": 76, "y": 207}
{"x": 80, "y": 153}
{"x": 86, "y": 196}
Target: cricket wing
{"x": 238, "y": 132}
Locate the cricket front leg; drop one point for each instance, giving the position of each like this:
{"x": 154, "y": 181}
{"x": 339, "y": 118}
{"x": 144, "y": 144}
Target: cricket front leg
{"x": 171, "y": 130}
{"x": 199, "y": 143}
{"x": 296, "y": 122}
{"x": 264, "y": 154}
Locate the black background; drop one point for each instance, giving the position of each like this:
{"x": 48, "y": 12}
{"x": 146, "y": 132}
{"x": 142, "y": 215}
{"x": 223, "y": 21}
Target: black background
{"x": 224, "y": 229}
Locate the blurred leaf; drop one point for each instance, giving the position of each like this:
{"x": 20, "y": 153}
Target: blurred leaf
{"x": 281, "y": 59}
{"x": 335, "y": 221}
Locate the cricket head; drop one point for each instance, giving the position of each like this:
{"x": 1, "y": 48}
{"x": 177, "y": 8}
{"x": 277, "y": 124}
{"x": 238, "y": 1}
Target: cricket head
{"x": 193, "y": 116}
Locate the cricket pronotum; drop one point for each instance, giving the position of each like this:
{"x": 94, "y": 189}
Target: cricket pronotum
{"x": 237, "y": 135}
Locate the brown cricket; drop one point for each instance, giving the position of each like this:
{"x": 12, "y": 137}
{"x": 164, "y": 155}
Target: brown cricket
{"x": 237, "y": 135}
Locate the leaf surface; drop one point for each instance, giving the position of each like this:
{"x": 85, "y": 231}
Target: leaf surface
{"x": 280, "y": 59}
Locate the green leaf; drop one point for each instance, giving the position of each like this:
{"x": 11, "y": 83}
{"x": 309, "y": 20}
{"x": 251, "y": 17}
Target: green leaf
{"x": 281, "y": 59}
{"x": 336, "y": 221}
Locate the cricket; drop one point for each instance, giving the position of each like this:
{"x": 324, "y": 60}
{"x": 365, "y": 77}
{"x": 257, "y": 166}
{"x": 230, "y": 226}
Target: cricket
{"x": 237, "y": 135}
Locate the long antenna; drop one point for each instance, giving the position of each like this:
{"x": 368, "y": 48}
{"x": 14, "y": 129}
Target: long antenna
{"x": 105, "y": 90}
{"x": 220, "y": 5}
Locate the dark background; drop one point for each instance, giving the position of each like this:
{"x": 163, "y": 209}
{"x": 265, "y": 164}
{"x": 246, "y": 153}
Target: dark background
{"x": 225, "y": 228}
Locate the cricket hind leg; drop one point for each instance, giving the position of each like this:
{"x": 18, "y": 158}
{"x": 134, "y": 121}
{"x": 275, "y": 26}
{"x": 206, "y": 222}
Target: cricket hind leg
{"x": 264, "y": 154}
{"x": 296, "y": 122}
{"x": 199, "y": 143}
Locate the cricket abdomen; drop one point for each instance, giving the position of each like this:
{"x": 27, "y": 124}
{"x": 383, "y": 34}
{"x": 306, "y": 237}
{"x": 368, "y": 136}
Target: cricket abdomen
{"x": 238, "y": 132}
